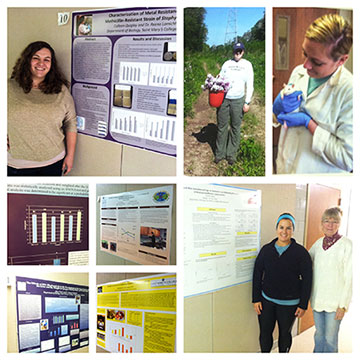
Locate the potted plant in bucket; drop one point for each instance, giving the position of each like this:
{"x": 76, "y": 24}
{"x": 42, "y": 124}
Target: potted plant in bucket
{"x": 217, "y": 87}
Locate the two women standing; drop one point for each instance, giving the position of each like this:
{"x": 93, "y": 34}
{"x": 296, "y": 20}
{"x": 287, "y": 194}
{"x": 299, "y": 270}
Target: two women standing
{"x": 285, "y": 275}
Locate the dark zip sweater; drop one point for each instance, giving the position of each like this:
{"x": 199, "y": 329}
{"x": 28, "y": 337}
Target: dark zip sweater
{"x": 285, "y": 277}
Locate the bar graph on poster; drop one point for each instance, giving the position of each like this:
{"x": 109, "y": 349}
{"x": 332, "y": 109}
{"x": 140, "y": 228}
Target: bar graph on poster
{"x": 47, "y": 224}
{"x": 136, "y": 225}
{"x": 137, "y": 315}
{"x": 124, "y": 79}
{"x": 221, "y": 236}
{"x": 53, "y": 224}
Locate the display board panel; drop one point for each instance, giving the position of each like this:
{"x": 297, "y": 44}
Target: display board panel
{"x": 124, "y": 76}
{"x": 51, "y": 316}
{"x": 221, "y": 236}
{"x": 136, "y": 225}
{"x": 48, "y": 224}
{"x": 137, "y": 315}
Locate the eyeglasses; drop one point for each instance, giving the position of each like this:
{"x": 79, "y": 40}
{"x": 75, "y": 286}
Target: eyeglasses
{"x": 328, "y": 222}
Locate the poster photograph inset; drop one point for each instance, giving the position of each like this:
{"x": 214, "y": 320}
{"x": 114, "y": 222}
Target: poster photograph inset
{"x": 221, "y": 236}
{"x": 137, "y": 315}
{"x": 136, "y": 225}
{"x": 51, "y": 315}
{"x": 124, "y": 77}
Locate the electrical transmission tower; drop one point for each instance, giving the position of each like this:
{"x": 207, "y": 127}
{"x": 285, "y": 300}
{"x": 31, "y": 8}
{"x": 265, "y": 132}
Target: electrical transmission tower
{"x": 231, "y": 29}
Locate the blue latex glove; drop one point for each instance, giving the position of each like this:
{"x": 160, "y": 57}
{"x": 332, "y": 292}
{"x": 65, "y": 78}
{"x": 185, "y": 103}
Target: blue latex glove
{"x": 292, "y": 101}
{"x": 294, "y": 119}
{"x": 277, "y": 106}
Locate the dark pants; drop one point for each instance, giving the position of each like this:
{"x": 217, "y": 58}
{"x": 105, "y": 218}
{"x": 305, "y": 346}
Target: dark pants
{"x": 229, "y": 116}
{"x": 284, "y": 316}
{"x": 50, "y": 170}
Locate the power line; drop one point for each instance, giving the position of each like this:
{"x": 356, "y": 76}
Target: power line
{"x": 231, "y": 26}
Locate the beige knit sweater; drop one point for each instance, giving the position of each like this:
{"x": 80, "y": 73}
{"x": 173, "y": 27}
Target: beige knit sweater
{"x": 38, "y": 122}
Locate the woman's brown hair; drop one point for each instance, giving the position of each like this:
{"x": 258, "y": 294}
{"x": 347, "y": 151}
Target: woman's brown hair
{"x": 54, "y": 79}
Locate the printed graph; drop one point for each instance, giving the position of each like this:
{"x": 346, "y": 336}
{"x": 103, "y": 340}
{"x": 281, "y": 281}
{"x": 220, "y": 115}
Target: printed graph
{"x": 134, "y": 73}
{"x": 126, "y": 236}
{"x": 162, "y": 75}
{"x": 54, "y": 224}
{"x": 128, "y": 122}
{"x": 123, "y": 338}
{"x": 160, "y": 128}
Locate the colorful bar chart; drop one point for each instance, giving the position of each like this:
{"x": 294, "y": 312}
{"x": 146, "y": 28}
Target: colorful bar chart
{"x": 54, "y": 224}
{"x": 123, "y": 338}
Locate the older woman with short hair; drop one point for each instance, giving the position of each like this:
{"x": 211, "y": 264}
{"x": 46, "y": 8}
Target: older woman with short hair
{"x": 332, "y": 281}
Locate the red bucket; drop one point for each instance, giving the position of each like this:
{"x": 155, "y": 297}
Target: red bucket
{"x": 216, "y": 98}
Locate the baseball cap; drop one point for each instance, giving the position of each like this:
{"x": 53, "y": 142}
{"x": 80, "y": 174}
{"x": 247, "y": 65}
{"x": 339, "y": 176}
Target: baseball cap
{"x": 239, "y": 46}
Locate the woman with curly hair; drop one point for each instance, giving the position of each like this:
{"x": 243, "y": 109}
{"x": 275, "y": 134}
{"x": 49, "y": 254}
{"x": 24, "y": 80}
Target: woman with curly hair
{"x": 41, "y": 115}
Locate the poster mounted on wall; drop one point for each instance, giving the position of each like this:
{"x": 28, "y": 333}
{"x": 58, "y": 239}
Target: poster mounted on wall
{"x": 48, "y": 224}
{"x": 124, "y": 80}
{"x": 136, "y": 225}
{"x": 221, "y": 236}
{"x": 137, "y": 315}
{"x": 51, "y": 316}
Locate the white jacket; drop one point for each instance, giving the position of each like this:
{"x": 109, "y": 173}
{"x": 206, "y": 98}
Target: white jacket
{"x": 330, "y": 149}
{"x": 332, "y": 275}
{"x": 240, "y": 74}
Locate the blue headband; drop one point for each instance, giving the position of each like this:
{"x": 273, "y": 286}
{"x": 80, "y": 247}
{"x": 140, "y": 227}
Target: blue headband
{"x": 286, "y": 216}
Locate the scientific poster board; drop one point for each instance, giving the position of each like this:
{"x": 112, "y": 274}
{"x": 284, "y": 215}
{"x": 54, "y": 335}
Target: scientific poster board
{"x": 137, "y": 315}
{"x": 136, "y": 225}
{"x": 221, "y": 236}
{"x": 51, "y": 316}
{"x": 124, "y": 77}
{"x": 48, "y": 224}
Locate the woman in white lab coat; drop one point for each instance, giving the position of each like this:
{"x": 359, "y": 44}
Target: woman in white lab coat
{"x": 317, "y": 137}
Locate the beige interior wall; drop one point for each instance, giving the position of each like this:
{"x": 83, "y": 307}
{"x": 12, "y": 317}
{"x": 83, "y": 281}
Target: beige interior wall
{"x": 104, "y": 258}
{"x": 225, "y": 321}
{"x": 70, "y": 278}
{"x": 93, "y": 156}
{"x": 348, "y": 15}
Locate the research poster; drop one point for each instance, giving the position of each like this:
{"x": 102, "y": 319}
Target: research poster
{"x": 137, "y": 315}
{"x": 48, "y": 224}
{"x": 124, "y": 79}
{"x": 221, "y": 236}
{"x": 136, "y": 225}
{"x": 52, "y": 317}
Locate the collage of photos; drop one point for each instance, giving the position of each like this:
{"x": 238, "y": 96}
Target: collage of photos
{"x": 180, "y": 179}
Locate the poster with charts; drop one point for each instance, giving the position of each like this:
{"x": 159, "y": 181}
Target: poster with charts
{"x": 48, "y": 224}
{"x": 124, "y": 79}
{"x": 136, "y": 225}
{"x": 137, "y": 315}
{"x": 52, "y": 317}
{"x": 221, "y": 236}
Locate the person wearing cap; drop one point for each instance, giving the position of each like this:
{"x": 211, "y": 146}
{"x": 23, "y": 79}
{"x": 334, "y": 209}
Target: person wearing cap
{"x": 319, "y": 137}
{"x": 239, "y": 73}
{"x": 281, "y": 285}
{"x": 332, "y": 281}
